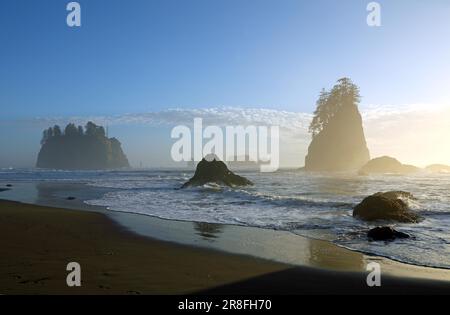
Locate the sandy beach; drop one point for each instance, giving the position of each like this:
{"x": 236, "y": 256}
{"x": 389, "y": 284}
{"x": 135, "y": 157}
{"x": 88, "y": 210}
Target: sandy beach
{"x": 36, "y": 244}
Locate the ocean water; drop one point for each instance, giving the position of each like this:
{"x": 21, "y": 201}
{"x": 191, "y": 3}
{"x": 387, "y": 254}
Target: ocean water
{"x": 313, "y": 205}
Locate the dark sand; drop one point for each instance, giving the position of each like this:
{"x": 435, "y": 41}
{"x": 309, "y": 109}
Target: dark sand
{"x": 36, "y": 244}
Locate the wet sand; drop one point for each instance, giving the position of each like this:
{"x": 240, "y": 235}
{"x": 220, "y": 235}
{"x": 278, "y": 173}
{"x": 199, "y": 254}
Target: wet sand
{"x": 36, "y": 244}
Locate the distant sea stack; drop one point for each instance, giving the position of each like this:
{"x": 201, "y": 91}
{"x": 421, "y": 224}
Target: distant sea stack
{"x": 80, "y": 149}
{"x": 387, "y": 165}
{"x": 338, "y": 141}
{"x": 438, "y": 168}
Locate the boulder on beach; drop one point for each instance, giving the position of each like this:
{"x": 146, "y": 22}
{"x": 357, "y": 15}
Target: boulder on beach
{"x": 390, "y": 206}
{"x": 212, "y": 170}
{"x": 338, "y": 142}
{"x": 385, "y": 233}
{"x": 387, "y": 165}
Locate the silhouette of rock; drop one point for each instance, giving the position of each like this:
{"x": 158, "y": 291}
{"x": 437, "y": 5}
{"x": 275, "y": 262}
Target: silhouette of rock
{"x": 338, "y": 141}
{"x": 387, "y": 165}
{"x": 438, "y": 168}
{"x": 212, "y": 170}
{"x": 76, "y": 149}
{"x": 386, "y": 206}
{"x": 71, "y": 198}
{"x": 385, "y": 233}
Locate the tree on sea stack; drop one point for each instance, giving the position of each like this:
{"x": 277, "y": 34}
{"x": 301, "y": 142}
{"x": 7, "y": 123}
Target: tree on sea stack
{"x": 338, "y": 141}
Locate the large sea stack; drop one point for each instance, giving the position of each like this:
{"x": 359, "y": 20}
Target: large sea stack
{"x": 80, "y": 149}
{"x": 338, "y": 141}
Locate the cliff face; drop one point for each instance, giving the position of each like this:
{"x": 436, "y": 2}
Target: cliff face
{"x": 339, "y": 143}
{"x": 80, "y": 151}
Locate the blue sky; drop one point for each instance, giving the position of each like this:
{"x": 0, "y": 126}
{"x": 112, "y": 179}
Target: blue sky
{"x": 151, "y": 55}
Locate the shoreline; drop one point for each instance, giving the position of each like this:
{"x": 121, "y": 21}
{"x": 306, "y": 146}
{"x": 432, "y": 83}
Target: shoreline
{"x": 39, "y": 241}
{"x": 273, "y": 245}
{"x": 273, "y": 252}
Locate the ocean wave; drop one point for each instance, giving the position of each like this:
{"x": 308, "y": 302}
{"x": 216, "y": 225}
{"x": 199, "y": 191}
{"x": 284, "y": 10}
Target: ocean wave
{"x": 313, "y": 206}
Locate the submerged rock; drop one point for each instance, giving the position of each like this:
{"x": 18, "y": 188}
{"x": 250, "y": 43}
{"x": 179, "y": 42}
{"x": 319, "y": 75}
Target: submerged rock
{"x": 71, "y": 198}
{"x": 386, "y": 206}
{"x": 385, "y": 165}
{"x": 212, "y": 170}
{"x": 385, "y": 233}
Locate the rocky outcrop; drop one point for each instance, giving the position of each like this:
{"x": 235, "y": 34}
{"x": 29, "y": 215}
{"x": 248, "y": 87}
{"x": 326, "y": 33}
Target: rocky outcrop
{"x": 212, "y": 170}
{"x": 387, "y": 165}
{"x": 438, "y": 168}
{"x": 79, "y": 149}
{"x": 338, "y": 142}
{"x": 390, "y": 206}
{"x": 385, "y": 233}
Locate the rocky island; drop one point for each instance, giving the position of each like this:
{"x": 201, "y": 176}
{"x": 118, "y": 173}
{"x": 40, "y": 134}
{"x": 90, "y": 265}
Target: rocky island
{"x": 212, "y": 170}
{"x": 387, "y": 165}
{"x": 79, "y": 148}
{"x": 438, "y": 168}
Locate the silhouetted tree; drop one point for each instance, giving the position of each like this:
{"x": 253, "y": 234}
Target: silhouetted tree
{"x": 101, "y": 132}
{"x": 91, "y": 129}
{"x": 344, "y": 93}
{"x": 57, "y": 131}
{"x": 95, "y": 131}
{"x": 321, "y": 114}
{"x": 80, "y": 131}
{"x": 50, "y": 133}
{"x": 44, "y": 136}
{"x": 71, "y": 130}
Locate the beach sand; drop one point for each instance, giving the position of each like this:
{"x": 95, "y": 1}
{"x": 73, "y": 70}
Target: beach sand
{"x": 37, "y": 243}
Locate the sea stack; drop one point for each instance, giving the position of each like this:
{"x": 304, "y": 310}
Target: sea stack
{"x": 338, "y": 141}
{"x": 80, "y": 149}
{"x": 212, "y": 170}
{"x": 387, "y": 165}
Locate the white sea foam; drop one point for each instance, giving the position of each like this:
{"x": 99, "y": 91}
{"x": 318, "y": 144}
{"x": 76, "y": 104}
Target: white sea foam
{"x": 319, "y": 206}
